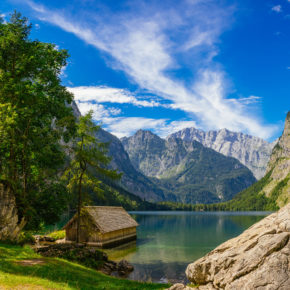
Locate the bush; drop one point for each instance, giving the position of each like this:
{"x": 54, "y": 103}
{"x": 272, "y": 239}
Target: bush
{"x": 57, "y": 235}
{"x": 26, "y": 238}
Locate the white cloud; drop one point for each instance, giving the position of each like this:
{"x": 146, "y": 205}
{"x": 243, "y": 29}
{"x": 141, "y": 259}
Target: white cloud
{"x": 247, "y": 101}
{"x": 142, "y": 47}
{"x": 127, "y": 126}
{"x": 277, "y": 8}
{"x": 100, "y": 111}
{"x": 174, "y": 126}
{"x": 101, "y": 94}
{"x": 123, "y": 126}
{"x": 3, "y": 16}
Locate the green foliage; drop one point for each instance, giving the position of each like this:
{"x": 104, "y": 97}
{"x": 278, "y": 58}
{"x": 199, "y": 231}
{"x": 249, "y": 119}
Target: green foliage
{"x": 115, "y": 195}
{"x": 89, "y": 157}
{"x": 34, "y": 117}
{"x": 25, "y": 237}
{"x": 277, "y": 191}
{"x": 58, "y": 235}
{"x": 206, "y": 176}
{"x": 250, "y": 199}
{"x": 187, "y": 172}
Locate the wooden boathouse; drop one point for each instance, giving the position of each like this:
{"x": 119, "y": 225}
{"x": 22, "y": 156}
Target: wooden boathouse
{"x": 102, "y": 226}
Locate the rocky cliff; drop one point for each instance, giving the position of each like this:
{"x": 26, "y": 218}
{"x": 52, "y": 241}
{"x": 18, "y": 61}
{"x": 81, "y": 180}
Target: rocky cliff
{"x": 187, "y": 172}
{"x": 133, "y": 180}
{"x": 273, "y": 190}
{"x": 259, "y": 258}
{"x": 279, "y": 166}
{"x": 251, "y": 151}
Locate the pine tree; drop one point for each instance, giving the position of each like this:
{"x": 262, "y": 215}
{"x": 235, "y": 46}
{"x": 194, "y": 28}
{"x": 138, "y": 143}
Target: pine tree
{"x": 89, "y": 158}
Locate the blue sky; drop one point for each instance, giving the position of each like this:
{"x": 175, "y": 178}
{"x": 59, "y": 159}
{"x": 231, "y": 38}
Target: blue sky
{"x": 167, "y": 65}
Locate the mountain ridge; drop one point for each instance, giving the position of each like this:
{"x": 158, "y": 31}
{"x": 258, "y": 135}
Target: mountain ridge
{"x": 273, "y": 190}
{"x": 132, "y": 180}
{"x": 253, "y": 152}
{"x": 186, "y": 171}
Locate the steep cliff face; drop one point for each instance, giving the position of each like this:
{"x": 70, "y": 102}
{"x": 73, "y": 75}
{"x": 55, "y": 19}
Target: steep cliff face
{"x": 259, "y": 258}
{"x": 251, "y": 151}
{"x": 133, "y": 180}
{"x": 273, "y": 190}
{"x": 279, "y": 166}
{"x": 187, "y": 171}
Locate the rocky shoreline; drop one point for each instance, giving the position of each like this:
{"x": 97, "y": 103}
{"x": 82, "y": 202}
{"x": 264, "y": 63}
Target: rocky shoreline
{"x": 259, "y": 258}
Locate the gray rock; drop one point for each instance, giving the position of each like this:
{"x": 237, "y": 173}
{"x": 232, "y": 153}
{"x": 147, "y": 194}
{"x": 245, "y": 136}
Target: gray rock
{"x": 10, "y": 226}
{"x": 279, "y": 168}
{"x": 124, "y": 267}
{"x": 187, "y": 171}
{"x": 179, "y": 286}
{"x": 251, "y": 151}
{"x": 259, "y": 258}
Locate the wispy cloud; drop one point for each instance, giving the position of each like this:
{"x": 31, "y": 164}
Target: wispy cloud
{"x": 148, "y": 46}
{"x": 277, "y": 8}
{"x": 100, "y": 111}
{"x": 127, "y": 126}
{"x": 102, "y": 94}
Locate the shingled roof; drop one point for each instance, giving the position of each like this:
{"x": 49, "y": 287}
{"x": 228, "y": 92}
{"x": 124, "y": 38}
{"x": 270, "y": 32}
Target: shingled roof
{"x": 107, "y": 218}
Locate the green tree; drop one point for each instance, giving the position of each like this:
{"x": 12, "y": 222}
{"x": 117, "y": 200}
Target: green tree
{"x": 89, "y": 158}
{"x": 34, "y": 119}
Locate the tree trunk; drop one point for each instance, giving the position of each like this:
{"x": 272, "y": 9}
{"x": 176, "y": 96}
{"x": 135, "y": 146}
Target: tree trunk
{"x": 10, "y": 226}
{"x": 79, "y": 207}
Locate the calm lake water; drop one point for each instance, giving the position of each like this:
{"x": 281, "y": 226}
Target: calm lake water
{"x": 168, "y": 241}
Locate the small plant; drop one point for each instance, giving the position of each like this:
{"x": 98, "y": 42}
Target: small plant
{"x": 25, "y": 238}
{"x": 58, "y": 235}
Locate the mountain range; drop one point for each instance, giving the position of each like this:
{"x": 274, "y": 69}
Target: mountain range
{"x": 132, "y": 180}
{"x": 273, "y": 190}
{"x": 186, "y": 171}
{"x": 251, "y": 151}
{"x": 181, "y": 169}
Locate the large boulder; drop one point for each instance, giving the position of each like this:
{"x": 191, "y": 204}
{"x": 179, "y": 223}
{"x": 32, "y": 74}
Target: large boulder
{"x": 10, "y": 226}
{"x": 259, "y": 258}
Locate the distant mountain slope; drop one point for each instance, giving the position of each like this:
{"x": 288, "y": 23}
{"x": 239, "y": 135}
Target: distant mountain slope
{"x": 132, "y": 180}
{"x": 251, "y": 151}
{"x": 187, "y": 171}
{"x": 273, "y": 190}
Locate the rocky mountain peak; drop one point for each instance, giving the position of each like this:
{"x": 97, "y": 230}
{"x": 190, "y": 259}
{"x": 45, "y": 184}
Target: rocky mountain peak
{"x": 185, "y": 169}
{"x": 251, "y": 151}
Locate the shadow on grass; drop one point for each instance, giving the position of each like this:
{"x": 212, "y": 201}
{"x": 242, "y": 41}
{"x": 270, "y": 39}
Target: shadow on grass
{"x": 61, "y": 271}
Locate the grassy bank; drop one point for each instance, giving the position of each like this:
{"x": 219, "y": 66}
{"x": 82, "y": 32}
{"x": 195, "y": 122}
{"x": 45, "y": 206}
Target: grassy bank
{"x": 21, "y": 268}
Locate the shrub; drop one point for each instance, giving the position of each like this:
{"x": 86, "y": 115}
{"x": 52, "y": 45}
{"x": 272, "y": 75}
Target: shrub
{"x": 57, "y": 235}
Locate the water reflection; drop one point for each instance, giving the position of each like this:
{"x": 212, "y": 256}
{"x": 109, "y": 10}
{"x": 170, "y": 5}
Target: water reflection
{"x": 168, "y": 241}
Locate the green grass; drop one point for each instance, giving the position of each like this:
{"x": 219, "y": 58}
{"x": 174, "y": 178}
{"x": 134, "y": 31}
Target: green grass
{"x": 55, "y": 273}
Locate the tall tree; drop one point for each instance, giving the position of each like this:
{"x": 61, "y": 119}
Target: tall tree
{"x": 34, "y": 118}
{"x": 89, "y": 157}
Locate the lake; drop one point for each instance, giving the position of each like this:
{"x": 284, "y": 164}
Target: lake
{"x": 168, "y": 241}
